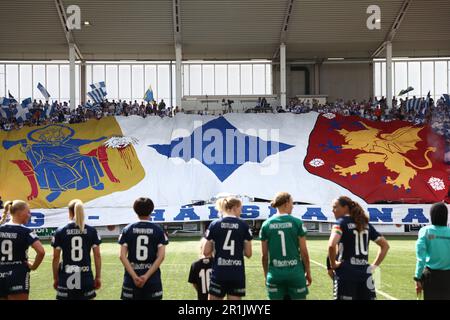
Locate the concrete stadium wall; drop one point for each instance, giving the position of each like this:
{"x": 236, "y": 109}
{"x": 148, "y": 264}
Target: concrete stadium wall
{"x": 347, "y": 81}
{"x": 337, "y": 80}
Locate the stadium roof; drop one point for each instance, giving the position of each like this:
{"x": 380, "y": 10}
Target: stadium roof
{"x": 224, "y": 29}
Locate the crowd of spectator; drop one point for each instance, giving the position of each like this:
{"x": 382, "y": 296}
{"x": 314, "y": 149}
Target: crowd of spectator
{"x": 415, "y": 110}
{"x": 437, "y": 115}
{"x": 41, "y": 113}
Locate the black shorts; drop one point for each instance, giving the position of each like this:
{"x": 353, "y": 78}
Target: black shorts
{"x": 221, "y": 288}
{"x": 353, "y": 290}
{"x": 150, "y": 291}
{"x": 14, "y": 279}
{"x": 436, "y": 284}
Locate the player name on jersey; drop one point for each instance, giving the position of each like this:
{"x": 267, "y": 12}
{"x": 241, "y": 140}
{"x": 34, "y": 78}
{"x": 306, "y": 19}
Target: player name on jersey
{"x": 283, "y": 225}
{"x": 8, "y": 235}
{"x": 226, "y": 225}
{"x": 142, "y": 231}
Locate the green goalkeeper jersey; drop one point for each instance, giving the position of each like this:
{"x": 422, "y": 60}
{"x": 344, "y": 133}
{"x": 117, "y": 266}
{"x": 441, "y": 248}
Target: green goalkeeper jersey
{"x": 281, "y": 232}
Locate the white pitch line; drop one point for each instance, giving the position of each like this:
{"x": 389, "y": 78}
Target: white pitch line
{"x": 384, "y": 294}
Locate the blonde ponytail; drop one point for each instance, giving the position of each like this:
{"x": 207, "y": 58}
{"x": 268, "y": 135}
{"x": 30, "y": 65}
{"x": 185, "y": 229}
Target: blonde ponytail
{"x": 6, "y": 212}
{"x": 228, "y": 203}
{"x": 76, "y": 209}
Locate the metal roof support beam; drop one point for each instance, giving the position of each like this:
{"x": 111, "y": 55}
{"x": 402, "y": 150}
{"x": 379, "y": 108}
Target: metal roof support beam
{"x": 67, "y": 32}
{"x": 283, "y": 75}
{"x": 394, "y": 28}
{"x": 389, "y": 74}
{"x": 178, "y": 51}
{"x": 72, "y": 76}
{"x": 285, "y": 27}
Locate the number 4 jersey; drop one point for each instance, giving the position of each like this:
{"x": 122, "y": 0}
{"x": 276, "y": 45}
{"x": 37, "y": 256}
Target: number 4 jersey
{"x": 229, "y": 235}
{"x": 143, "y": 239}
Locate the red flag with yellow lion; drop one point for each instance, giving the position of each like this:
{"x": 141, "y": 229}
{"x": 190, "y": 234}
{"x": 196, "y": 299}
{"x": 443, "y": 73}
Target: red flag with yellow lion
{"x": 379, "y": 161}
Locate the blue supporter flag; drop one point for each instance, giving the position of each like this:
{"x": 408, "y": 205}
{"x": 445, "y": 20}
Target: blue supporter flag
{"x": 409, "y": 105}
{"x": 23, "y": 110}
{"x": 5, "y": 102}
{"x": 90, "y": 106}
{"x": 5, "y": 112}
{"x": 446, "y": 99}
{"x": 97, "y": 95}
{"x": 11, "y": 98}
{"x": 49, "y": 110}
{"x": 101, "y": 86}
{"x": 148, "y": 96}
{"x": 426, "y": 104}
{"x": 404, "y": 91}
{"x": 417, "y": 104}
{"x": 43, "y": 91}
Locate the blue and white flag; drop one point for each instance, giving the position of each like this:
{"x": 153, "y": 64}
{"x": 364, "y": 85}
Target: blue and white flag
{"x": 410, "y": 104}
{"x": 92, "y": 107}
{"x": 96, "y": 95}
{"x": 404, "y": 91}
{"x": 426, "y": 105}
{"x": 417, "y": 104}
{"x": 23, "y": 110}
{"x": 6, "y": 112}
{"x": 11, "y": 98}
{"x": 148, "y": 96}
{"x": 5, "y": 102}
{"x": 101, "y": 86}
{"x": 43, "y": 91}
{"x": 49, "y": 110}
{"x": 446, "y": 99}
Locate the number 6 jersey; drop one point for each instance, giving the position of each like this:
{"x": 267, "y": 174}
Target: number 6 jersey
{"x": 143, "y": 239}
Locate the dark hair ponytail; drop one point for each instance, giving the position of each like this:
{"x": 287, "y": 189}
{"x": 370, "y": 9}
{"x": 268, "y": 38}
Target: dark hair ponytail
{"x": 356, "y": 212}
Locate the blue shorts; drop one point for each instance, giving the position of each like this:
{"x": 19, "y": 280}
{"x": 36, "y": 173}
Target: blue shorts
{"x": 14, "y": 279}
{"x": 353, "y": 290}
{"x": 75, "y": 286}
{"x": 152, "y": 290}
{"x": 222, "y": 288}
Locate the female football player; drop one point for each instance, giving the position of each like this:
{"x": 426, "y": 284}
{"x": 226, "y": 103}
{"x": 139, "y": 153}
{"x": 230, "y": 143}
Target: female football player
{"x": 73, "y": 278}
{"x": 230, "y": 237}
{"x": 200, "y": 273}
{"x": 142, "y": 251}
{"x": 351, "y": 234}
{"x": 15, "y": 239}
{"x": 288, "y": 273}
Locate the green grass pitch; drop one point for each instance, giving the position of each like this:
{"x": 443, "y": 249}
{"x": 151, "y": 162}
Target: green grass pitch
{"x": 396, "y": 271}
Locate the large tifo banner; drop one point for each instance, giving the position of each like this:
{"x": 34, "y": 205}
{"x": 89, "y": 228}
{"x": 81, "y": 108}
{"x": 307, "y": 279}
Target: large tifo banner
{"x": 179, "y": 161}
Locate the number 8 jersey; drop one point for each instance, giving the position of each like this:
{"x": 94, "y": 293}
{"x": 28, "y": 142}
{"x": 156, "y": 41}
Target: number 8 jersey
{"x": 76, "y": 246}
